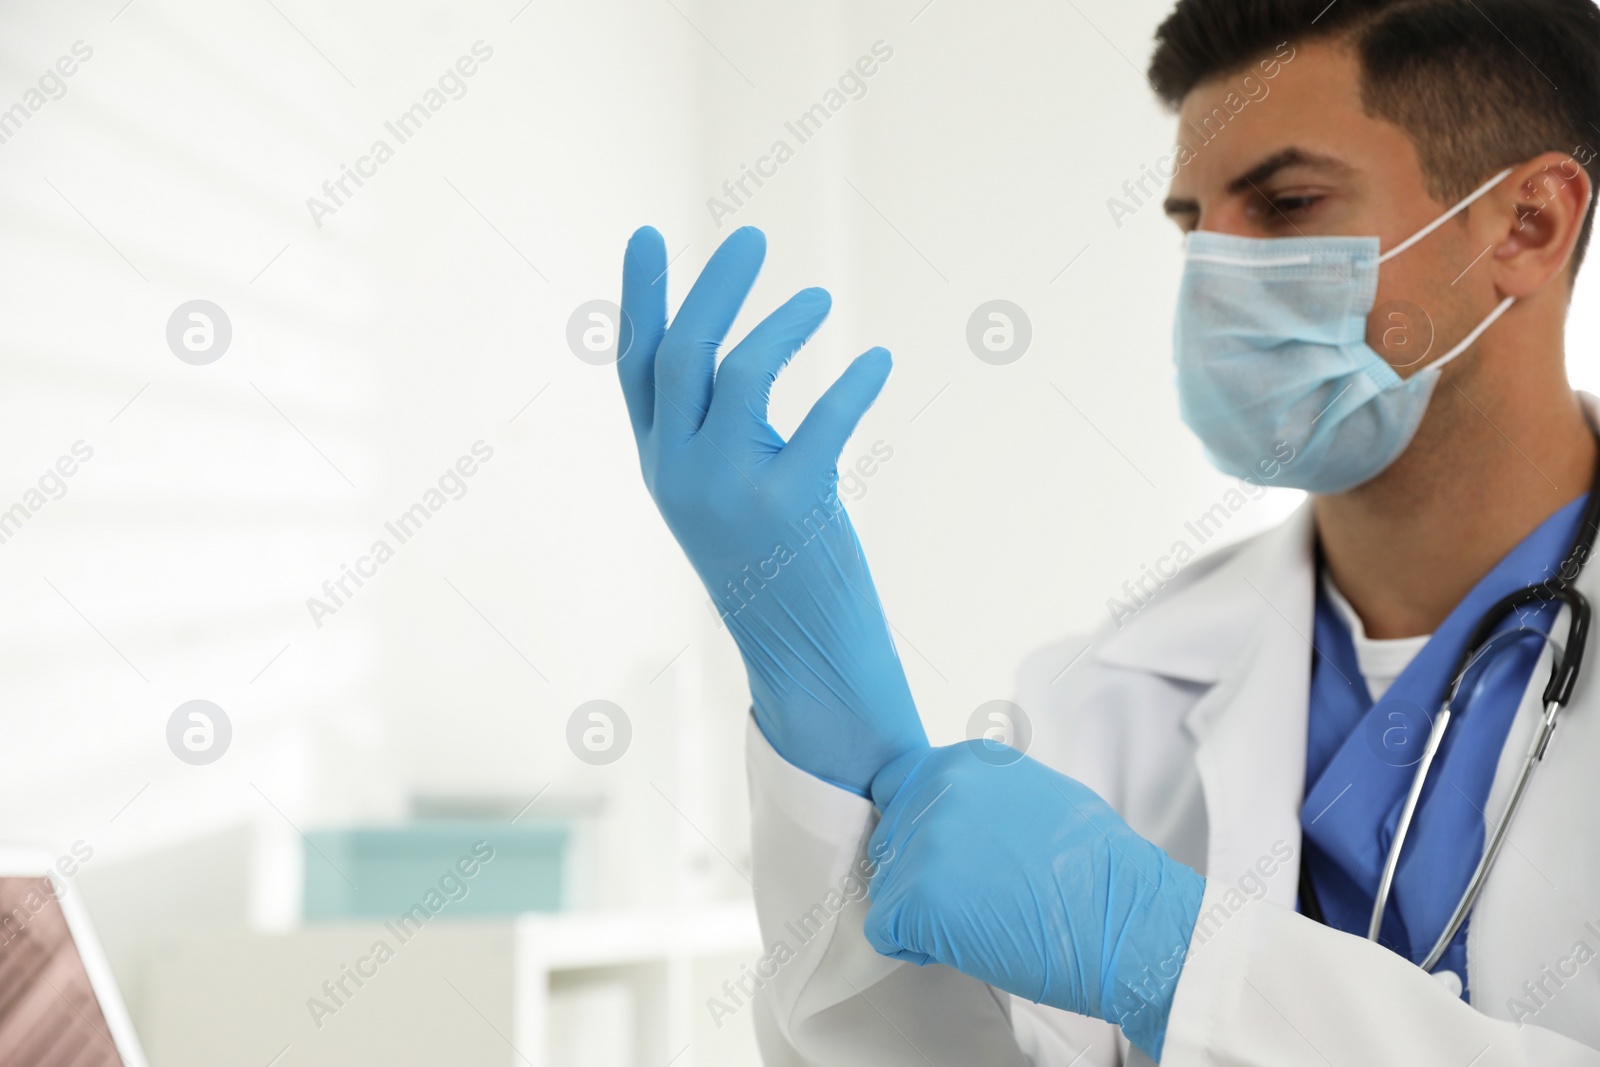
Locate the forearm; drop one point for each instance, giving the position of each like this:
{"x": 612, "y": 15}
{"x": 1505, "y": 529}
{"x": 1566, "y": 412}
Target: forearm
{"x": 819, "y": 649}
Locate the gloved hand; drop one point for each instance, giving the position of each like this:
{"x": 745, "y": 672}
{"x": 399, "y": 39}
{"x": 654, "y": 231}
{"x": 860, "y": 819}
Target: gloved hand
{"x": 1027, "y": 880}
{"x": 761, "y": 519}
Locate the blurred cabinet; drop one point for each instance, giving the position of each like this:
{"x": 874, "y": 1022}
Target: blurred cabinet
{"x": 601, "y": 989}
{"x": 479, "y": 867}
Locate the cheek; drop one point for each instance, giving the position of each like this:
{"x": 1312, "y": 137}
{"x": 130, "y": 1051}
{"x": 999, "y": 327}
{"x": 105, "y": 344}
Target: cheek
{"x": 1425, "y": 306}
{"x": 1403, "y": 333}
{"x": 1413, "y": 307}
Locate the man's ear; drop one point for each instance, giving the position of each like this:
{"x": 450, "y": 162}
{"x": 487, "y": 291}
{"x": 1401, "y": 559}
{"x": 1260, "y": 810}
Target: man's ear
{"x": 1539, "y": 213}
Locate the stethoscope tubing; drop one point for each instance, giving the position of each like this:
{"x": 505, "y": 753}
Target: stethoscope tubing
{"x": 1565, "y": 665}
{"x": 1392, "y": 860}
{"x": 1491, "y": 848}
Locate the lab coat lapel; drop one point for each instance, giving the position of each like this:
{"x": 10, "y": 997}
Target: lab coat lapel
{"x": 1250, "y": 729}
{"x": 1244, "y": 627}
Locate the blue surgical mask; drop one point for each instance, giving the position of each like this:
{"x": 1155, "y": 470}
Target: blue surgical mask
{"x": 1274, "y": 372}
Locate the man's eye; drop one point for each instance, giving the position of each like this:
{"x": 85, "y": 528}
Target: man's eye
{"x": 1289, "y": 205}
{"x": 1277, "y": 210}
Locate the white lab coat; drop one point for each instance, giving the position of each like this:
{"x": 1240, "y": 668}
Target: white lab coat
{"x": 1190, "y": 719}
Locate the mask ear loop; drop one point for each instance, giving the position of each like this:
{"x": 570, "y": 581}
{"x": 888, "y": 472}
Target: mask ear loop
{"x": 1476, "y": 194}
{"x": 1500, "y": 309}
{"x": 1466, "y": 342}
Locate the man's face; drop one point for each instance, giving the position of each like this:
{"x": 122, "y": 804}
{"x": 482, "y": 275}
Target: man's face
{"x": 1300, "y": 158}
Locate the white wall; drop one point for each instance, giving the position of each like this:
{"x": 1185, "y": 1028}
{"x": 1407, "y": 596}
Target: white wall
{"x": 423, "y": 316}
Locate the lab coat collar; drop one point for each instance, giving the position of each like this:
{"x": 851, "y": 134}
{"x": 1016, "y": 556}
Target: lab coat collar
{"x": 1197, "y": 630}
{"x": 1241, "y": 626}
{"x": 1244, "y": 629}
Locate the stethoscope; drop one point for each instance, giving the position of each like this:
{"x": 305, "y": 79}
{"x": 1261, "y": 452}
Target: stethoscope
{"x": 1480, "y": 651}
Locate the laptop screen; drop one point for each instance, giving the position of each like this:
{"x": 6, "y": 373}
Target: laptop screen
{"x": 48, "y": 1011}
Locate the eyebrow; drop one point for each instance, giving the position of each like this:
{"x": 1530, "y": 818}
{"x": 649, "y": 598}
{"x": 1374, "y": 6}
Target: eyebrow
{"x": 1288, "y": 157}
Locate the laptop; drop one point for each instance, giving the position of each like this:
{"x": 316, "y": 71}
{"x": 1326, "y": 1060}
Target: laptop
{"x": 59, "y": 1006}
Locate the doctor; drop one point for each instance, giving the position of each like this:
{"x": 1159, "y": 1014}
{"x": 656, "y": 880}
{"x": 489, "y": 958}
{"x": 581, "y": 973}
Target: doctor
{"x": 1246, "y": 830}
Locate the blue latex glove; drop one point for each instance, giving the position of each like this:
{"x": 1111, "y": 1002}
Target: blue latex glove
{"x": 1027, "y": 880}
{"x": 761, "y": 519}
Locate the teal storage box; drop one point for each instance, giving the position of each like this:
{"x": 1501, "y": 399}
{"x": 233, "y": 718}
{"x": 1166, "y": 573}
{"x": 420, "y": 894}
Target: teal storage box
{"x": 452, "y": 868}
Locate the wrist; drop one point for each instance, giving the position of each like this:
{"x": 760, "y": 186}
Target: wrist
{"x": 847, "y": 751}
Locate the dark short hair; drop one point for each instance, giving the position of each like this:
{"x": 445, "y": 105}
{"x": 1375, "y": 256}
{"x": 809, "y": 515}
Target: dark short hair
{"x": 1478, "y": 85}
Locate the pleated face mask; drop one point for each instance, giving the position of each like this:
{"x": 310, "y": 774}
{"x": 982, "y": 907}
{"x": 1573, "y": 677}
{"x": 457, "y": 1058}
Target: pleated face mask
{"x": 1275, "y": 375}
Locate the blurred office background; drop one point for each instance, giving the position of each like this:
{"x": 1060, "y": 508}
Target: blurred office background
{"x": 375, "y": 345}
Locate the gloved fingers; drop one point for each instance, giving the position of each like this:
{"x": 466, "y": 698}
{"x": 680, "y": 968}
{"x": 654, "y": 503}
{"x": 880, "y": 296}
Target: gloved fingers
{"x": 644, "y": 319}
{"x": 833, "y": 418}
{"x": 887, "y": 782}
{"x": 688, "y": 352}
{"x": 888, "y": 949}
{"x": 883, "y": 929}
{"x": 894, "y": 789}
{"x": 745, "y": 376}
{"x": 881, "y": 845}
